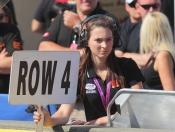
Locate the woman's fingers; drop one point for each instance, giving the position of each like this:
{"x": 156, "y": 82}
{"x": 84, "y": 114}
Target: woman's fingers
{"x": 3, "y": 51}
{"x": 45, "y": 112}
{"x": 78, "y": 122}
{"x": 37, "y": 117}
{"x": 36, "y": 106}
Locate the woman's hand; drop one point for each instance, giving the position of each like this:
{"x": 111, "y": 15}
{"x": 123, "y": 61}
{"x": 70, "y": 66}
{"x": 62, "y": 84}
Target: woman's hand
{"x": 102, "y": 121}
{"x": 3, "y": 53}
{"x": 68, "y": 16}
{"x": 47, "y": 118}
{"x": 78, "y": 122}
{"x": 90, "y": 122}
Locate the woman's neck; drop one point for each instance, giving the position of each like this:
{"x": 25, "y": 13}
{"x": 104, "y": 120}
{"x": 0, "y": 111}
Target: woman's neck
{"x": 101, "y": 71}
{"x": 100, "y": 65}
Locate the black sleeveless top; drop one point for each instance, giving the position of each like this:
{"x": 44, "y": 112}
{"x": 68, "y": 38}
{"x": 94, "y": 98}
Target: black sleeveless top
{"x": 152, "y": 79}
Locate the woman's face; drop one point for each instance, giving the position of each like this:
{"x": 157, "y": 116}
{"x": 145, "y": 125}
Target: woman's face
{"x": 3, "y": 17}
{"x": 101, "y": 42}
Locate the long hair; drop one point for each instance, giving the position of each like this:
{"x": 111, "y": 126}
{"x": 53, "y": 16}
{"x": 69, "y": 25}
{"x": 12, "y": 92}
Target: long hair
{"x": 8, "y": 14}
{"x": 86, "y": 60}
{"x": 156, "y": 34}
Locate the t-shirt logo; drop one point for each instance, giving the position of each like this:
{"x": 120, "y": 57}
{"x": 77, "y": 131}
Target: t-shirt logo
{"x": 2, "y": 45}
{"x": 90, "y": 88}
{"x": 17, "y": 45}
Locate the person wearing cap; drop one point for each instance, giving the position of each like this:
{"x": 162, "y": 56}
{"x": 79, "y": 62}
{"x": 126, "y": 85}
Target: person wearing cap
{"x": 143, "y": 7}
{"x": 134, "y": 16}
{"x": 130, "y": 30}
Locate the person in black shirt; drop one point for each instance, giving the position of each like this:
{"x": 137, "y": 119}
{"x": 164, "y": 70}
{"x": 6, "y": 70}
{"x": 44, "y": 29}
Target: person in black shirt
{"x": 46, "y": 12}
{"x": 10, "y": 41}
{"x": 101, "y": 74}
{"x": 143, "y": 7}
{"x": 64, "y": 29}
{"x": 130, "y": 30}
{"x": 43, "y": 16}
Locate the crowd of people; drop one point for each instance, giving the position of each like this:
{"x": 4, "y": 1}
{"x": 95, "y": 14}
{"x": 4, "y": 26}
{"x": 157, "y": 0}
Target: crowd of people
{"x": 138, "y": 53}
{"x": 10, "y": 41}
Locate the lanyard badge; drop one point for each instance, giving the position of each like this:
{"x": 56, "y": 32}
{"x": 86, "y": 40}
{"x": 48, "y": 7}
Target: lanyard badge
{"x": 74, "y": 45}
{"x": 104, "y": 100}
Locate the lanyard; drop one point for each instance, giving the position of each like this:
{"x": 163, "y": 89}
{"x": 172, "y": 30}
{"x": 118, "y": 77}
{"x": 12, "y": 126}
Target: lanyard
{"x": 104, "y": 101}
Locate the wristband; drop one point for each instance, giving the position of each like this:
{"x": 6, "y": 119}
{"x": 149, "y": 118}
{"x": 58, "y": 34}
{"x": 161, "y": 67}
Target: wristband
{"x": 76, "y": 27}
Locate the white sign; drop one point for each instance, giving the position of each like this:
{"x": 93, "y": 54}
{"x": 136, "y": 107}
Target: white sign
{"x": 44, "y": 77}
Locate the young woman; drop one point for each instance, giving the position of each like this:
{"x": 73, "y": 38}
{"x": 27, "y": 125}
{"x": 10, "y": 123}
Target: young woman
{"x": 156, "y": 37}
{"x": 101, "y": 75}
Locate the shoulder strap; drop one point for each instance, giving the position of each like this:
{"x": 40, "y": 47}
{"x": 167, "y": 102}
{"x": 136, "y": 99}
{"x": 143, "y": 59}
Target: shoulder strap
{"x": 150, "y": 58}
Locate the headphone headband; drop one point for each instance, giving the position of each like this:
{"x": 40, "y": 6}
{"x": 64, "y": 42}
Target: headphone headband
{"x": 90, "y": 17}
{"x": 83, "y": 33}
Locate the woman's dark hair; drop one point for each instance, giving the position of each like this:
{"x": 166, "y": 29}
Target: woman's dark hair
{"x": 8, "y": 13}
{"x": 86, "y": 60}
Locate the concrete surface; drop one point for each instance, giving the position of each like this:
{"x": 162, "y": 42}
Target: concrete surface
{"x": 31, "y": 126}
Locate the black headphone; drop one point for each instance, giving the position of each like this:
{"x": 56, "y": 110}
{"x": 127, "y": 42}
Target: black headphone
{"x": 83, "y": 32}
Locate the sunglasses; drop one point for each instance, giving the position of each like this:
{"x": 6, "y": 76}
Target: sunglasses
{"x": 147, "y": 7}
{"x": 2, "y": 16}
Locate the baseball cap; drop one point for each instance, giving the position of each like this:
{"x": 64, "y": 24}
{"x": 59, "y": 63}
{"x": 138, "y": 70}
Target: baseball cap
{"x": 129, "y": 1}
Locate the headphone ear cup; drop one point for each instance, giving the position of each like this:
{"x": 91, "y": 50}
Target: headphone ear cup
{"x": 83, "y": 34}
{"x": 116, "y": 39}
{"x": 83, "y": 38}
{"x": 116, "y": 35}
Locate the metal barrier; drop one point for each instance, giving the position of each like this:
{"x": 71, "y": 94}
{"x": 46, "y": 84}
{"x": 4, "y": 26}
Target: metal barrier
{"x": 146, "y": 109}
